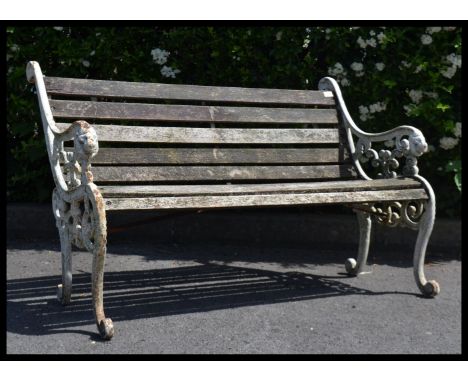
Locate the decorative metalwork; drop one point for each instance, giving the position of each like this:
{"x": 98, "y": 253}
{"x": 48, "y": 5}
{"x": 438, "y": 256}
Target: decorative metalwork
{"x": 402, "y": 142}
{"x": 393, "y": 214}
{"x": 388, "y": 160}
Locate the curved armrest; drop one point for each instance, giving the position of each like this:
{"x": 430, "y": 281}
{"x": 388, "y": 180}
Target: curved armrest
{"x": 83, "y": 135}
{"x": 403, "y": 141}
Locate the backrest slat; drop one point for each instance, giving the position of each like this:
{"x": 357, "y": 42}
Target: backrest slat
{"x": 116, "y": 133}
{"x": 128, "y": 174}
{"x": 222, "y": 155}
{"x": 188, "y": 113}
{"x": 139, "y": 90}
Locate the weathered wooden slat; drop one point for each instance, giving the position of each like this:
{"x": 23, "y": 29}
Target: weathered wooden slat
{"x": 189, "y": 113}
{"x": 271, "y": 188}
{"x": 139, "y": 90}
{"x": 217, "y": 173}
{"x": 223, "y": 155}
{"x": 222, "y": 201}
{"x": 155, "y": 134}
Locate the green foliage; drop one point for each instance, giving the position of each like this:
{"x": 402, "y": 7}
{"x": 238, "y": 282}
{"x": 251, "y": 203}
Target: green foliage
{"x": 408, "y": 76}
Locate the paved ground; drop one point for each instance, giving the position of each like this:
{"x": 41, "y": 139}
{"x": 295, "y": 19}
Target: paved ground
{"x": 233, "y": 299}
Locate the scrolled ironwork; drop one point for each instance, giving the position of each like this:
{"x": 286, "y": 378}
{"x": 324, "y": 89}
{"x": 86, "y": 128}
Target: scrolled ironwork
{"x": 395, "y": 213}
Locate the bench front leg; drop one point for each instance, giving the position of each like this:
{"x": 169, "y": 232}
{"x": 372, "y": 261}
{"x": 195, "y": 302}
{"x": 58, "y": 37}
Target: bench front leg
{"x": 429, "y": 288}
{"x": 353, "y": 267}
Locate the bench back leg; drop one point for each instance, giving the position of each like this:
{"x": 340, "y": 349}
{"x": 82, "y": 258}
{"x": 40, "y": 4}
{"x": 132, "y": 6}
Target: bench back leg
{"x": 59, "y": 207}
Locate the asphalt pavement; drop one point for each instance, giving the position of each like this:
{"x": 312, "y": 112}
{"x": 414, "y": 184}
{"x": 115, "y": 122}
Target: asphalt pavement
{"x": 225, "y": 298}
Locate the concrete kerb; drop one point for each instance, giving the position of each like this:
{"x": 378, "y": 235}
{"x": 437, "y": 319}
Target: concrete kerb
{"x": 297, "y": 226}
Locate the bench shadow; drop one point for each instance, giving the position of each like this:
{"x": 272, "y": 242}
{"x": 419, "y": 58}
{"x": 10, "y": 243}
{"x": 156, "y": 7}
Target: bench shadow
{"x": 32, "y": 308}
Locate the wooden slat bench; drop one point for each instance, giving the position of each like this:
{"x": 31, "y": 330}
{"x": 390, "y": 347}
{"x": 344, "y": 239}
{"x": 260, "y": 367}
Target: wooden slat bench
{"x": 199, "y": 147}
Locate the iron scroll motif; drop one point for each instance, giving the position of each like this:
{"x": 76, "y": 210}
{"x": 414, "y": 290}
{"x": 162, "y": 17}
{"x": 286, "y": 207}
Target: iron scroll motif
{"x": 393, "y": 214}
{"x": 388, "y": 159}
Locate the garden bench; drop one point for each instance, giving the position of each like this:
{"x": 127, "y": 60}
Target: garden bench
{"x": 200, "y": 147}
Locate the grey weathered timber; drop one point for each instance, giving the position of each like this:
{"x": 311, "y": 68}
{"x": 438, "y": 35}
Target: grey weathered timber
{"x": 157, "y": 134}
{"x": 229, "y": 148}
{"x": 223, "y": 155}
{"x": 223, "y": 201}
{"x": 130, "y": 174}
{"x": 141, "y": 90}
{"x": 270, "y": 188}
{"x": 188, "y": 113}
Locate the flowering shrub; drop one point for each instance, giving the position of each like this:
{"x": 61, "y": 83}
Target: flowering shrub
{"x": 389, "y": 76}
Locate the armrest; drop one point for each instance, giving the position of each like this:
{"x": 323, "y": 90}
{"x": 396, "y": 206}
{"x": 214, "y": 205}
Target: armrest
{"x": 403, "y": 141}
{"x": 77, "y": 163}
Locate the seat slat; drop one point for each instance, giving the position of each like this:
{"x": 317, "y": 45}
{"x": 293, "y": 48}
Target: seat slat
{"x": 222, "y": 201}
{"x": 218, "y": 173}
{"x": 139, "y": 90}
{"x": 224, "y": 155}
{"x": 188, "y": 113}
{"x": 156, "y": 134}
{"x": 271, "y": 188}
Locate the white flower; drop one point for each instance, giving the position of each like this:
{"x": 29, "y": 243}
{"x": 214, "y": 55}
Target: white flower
{"x": 457, "y": 132}
{"x": 167, "y": 71}
{"x": 336, "y": 69}
{"x": 381, "y": 36}
{"x": 58, "y": 28}
{"x": 357, "y": 66}
{"x": 328, "y": 30}
{"x": 408, "y": 109}
{"x": 380, "y": 66}
{"x": 418, "y": 68}
{"x": 278, "y": 35}
{"x": 371, "y": 42}
{"x": 14, "y": 48}
{"x": 448, "y": 143}
{"x": 406, "y": 64}
{"x": 372, "y": 33}
{"x": 431, "y": 94}
{"x": 306, "y": 42}
{"x": 449, "y": 72}
{"x": 85, "y": 63}
{"x": 92, "y": 53}
{"x": 449, "y": 28}
{"x": 432, "y": 30}
{"x": 426, "y": 39}
{"x": 362, "y": 43}
{"x": 363, "y": 109}
{"x": 377, "y": 107}
{"x": 345, "y": 82}
{"x": 454, "y": 59}
{"x": 160, "y": 55}
{"x": 415, "y": 95}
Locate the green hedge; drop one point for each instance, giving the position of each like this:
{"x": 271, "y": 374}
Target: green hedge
{"x": 389, "y": 76}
